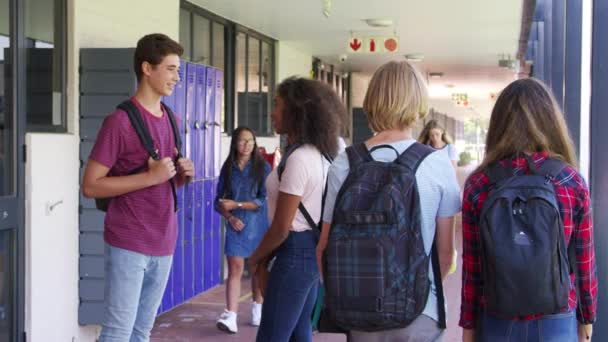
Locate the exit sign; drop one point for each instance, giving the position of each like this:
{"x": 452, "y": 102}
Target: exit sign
{"x": 373, "y": 45}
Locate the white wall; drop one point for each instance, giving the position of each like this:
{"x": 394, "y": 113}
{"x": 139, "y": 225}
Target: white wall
{"x": 292, "y": 61}
{"x": 52, "y": 239}
{"x": 112, "y": 23}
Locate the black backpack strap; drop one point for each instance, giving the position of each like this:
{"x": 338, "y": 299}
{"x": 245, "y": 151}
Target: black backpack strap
{"x": 301, "y": 207}
{"x": 140, "y": 127}
{"x": 438, "y": 287}
{"x": 497, "y": 172}
{"x": 414, "y": 155}
{"x": 358, "y": 154}
{"x": 144, "y": 136}
{"x": 550, "y": 168}
{"x": 176, "y": 133}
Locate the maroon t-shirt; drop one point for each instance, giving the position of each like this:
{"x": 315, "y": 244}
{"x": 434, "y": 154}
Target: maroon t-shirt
{"x": 142, "y": 221}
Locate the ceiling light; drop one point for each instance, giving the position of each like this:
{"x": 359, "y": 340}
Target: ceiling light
{"x": 435, "y": 74}
{"x": 414, "y": 57}
{"x": 379, "y": 22}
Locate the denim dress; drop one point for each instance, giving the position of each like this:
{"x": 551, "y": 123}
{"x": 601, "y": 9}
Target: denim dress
{"x": 245, "y": 188}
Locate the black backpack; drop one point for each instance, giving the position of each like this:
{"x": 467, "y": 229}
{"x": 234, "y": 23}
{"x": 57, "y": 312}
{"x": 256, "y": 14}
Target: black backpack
{"x": 377, "y": 275}
{"x": 146, "y": 140}
{"x": 526, "y": 269}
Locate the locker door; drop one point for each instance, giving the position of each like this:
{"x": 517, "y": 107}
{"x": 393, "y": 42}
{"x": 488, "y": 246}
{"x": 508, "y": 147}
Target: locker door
{"x": 208, "y": 257}
{"x": 177, "y": 270}
{"x": 199, "y": 122}
{"x": 177, "y": 273}
{"x": 199, "y": 198}
{"x": 217, "y": 118}
{"x": 188, "y": 242}
{"x": 209, "y": 122}
{"x": 217, "y": 241}
{"x": 190, "y": 108}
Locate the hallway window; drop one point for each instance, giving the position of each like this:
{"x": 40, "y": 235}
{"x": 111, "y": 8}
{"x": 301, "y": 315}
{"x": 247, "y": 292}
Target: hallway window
{"x": 247, "y": 58}
{"x": 45, "y": 65}
{"x": 255, "y": 81}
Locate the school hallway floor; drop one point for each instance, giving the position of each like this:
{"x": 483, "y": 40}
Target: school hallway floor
{"x": 195, "y": 320}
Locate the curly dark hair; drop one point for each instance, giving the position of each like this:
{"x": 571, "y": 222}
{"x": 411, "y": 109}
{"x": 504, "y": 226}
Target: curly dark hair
{"x": 258, "y": 161}
{"x": 312, "y": 113}
{"x": 152, "y": 48}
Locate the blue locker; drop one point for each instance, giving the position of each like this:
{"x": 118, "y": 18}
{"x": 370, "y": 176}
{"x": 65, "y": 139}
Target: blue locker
{"x": 208, "y": 251}
{"x": 219, "y": 108}
{"x": 190, "y": 108}
{"x": 210, "y": 126}
{"x": 199, "y": 123}
{"x": 217, "y": 240}
{"x": 199, "y": 201}
{"x": 177, "y": 273}
{"x": 178, "y": 101}
{"x": 188, "y": 242}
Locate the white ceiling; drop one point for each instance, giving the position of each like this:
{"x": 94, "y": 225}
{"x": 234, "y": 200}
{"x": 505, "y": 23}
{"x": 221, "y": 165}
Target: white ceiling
{"x": 463, "y": 39}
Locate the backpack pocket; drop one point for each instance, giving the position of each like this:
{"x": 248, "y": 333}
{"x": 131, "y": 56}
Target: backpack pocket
{"x": 356, "y": 273}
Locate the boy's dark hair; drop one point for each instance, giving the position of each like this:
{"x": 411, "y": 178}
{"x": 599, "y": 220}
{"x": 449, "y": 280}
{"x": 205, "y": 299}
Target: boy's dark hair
{"x": 152, "y": 48}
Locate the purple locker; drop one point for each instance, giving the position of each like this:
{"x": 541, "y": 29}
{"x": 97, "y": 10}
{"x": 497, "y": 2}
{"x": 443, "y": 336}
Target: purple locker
{"x": 188, "y": 242}
{"x": 199, "y": 123}
{"x": 177, "y": 269}
{"x": 219, "y": 107}
{"x": 217, "y": 240}
{"x": 177, "y": 103}
{"x": 178, "y": 99}
{"x": 208, "y": 251}
{"x": 199, "y": 198}
{"x": 190, "y": 108}
{"x": 209, "y": 122}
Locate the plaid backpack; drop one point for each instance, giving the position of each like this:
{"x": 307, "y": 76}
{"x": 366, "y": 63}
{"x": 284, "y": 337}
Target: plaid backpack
{"x": 376, "y": 274}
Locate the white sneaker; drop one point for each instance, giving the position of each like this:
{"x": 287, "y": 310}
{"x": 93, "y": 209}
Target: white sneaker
{"x": 256, "y": 314}
{"x": 227, "y": 322}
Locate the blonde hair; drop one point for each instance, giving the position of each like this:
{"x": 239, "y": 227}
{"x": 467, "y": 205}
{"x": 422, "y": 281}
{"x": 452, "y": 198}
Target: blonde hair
{"x": 425, "y": 135}
{"x": 396, "y": 97}
{"x": 526, "y": 118}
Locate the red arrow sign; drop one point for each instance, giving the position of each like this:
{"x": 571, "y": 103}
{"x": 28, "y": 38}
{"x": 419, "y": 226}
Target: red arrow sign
{"x": 355, "y": 44}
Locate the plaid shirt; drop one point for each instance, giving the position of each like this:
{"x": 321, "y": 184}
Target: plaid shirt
{"x": 573, "y": 200}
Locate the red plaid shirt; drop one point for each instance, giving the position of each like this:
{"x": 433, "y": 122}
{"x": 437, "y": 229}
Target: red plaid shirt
{"x": 573, "y": 200}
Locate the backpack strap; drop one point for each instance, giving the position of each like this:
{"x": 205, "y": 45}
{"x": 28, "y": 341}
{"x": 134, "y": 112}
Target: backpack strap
{"x": 413, "y": 156}
{"x": 301, "y": 206}
{"x": 176, "y": 135}
{"x": 146, "y": 140}
{"x": 550, "y": 168}
{"x": 140, "y": 127}
{"x": 497, "y": 172}
{"x": 358, "y": 154}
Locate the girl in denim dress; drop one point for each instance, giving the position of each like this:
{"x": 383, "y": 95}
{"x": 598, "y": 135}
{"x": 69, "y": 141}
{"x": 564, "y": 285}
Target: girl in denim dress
{"x": 241, "y": 199}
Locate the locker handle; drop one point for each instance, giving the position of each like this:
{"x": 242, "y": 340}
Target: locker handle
{"x": 215, "y": 123}
{"x": 207, "y": 124}
{"x": 197, "y": 125}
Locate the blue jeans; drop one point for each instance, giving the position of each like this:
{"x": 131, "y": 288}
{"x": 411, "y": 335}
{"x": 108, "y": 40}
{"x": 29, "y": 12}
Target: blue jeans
{"x": 134, "y": 288}
{"x": 560, "y": 327}
{"x": 291, "y": 291}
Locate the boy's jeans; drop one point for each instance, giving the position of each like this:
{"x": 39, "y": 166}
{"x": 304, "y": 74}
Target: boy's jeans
{"x": 134, "y": 288}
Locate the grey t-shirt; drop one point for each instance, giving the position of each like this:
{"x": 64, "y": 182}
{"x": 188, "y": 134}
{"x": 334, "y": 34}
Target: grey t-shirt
{"x": 437, "y": 186}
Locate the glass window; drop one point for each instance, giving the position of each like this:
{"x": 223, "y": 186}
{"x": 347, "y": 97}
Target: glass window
{"x": 267, "y": 82}
{"x": 201, "y": 40}
{"x": 185, "y": 34}
{"x": 45, "y": 79}
{"x": 218, "y": 46}
{"x": 240, "y": 79}
{"x": 6, "y": 114}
